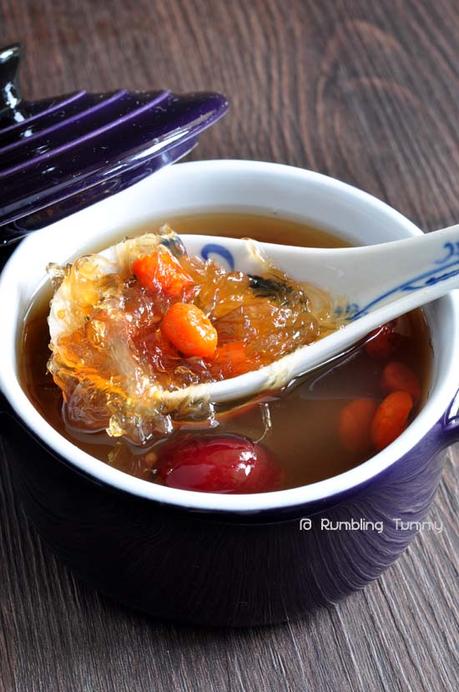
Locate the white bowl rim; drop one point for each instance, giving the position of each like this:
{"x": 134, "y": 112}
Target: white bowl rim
{"x": 250, "y": 503}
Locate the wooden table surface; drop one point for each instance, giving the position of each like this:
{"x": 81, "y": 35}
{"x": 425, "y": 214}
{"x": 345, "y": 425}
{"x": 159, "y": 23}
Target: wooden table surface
{"x": 364, "y": 90}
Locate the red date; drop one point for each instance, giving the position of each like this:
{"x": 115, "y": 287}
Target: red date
{"x": 217, "y": 464}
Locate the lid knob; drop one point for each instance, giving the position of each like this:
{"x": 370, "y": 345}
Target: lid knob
{"x": 9, "y": 90}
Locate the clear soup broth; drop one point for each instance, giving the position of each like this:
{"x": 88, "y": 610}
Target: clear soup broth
{"x": 304, "y": 427}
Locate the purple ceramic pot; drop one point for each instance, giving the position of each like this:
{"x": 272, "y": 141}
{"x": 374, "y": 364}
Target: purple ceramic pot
{"x": 206, "y": 558}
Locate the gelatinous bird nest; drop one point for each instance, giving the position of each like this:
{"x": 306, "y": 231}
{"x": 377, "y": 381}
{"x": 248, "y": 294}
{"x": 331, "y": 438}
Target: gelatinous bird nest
{"x": 111, "y": 360}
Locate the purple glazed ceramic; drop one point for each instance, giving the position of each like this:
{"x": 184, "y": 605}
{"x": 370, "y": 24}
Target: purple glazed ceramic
{"x": 202, "y": 557}
{"x": 60, "y": 155}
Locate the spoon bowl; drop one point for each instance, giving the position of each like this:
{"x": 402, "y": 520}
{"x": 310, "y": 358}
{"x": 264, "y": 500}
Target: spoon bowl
{"x": 369, "y": 286}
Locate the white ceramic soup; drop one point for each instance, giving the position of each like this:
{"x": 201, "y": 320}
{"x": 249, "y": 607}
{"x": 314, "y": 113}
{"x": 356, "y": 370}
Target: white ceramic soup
{"x": 234, "y": 186}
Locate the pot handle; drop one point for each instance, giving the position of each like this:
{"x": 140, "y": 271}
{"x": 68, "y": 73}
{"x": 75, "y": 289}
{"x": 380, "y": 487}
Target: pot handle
{"x": 450, "y": 421}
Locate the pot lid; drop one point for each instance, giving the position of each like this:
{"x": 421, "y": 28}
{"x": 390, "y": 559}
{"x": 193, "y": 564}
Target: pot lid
{"x": 59, "y": 155}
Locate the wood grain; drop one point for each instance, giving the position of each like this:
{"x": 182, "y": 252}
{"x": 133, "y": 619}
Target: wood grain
{"x": 364, "y": 90}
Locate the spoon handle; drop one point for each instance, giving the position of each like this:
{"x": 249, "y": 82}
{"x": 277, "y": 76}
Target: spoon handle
{"x": 424, "y": 267}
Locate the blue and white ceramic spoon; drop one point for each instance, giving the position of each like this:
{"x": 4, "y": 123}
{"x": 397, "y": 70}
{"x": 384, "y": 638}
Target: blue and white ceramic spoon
{"x": 380, "y": 282}
{"x": 369, "y": 286}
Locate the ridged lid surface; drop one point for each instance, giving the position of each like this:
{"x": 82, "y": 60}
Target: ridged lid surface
{"x": 61, "y": 154}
